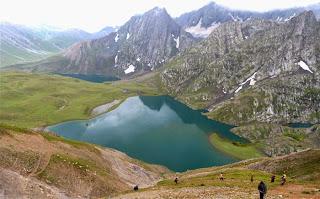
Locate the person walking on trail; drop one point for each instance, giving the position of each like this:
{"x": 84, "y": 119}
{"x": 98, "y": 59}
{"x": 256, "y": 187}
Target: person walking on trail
{"x": 262, "y": 187}
{"x": 273, "y": 177}
{"x": 221, "y": 177}
{"x": 283, "y": 179}
{"x": 176, "y": 180}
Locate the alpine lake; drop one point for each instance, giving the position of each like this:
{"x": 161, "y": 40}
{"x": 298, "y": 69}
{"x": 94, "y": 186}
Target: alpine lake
{"x": 154, "y": 129}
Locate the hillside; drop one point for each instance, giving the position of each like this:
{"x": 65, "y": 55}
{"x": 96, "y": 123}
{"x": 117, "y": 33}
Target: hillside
{"x": 44, "y": 165}
{"x": 275, "y": 139}
{"x": 48, "y": 99}
{"x": 302, "y": 169}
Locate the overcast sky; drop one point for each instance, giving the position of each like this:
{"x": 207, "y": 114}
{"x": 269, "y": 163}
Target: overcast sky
{"x": 92, "y": 15}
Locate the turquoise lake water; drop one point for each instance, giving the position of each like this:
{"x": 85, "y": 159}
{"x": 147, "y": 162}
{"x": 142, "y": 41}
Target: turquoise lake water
{"x": 154, "y": 129}
{"x": 91, "y": 78}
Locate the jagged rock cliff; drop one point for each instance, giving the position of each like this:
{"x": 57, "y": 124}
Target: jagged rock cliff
{"x": 278, "y": 62}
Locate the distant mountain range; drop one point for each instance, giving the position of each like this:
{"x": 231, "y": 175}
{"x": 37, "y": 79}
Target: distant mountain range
{"x": 201, "y": 22}
{"x": 139, "y": 46}
{"x": 142, "y": 44}
{"x": 22, "y": 44}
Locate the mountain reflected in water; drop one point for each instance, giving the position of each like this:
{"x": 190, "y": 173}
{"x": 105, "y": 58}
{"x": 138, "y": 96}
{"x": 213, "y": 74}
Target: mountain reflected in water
{"x": 155, "y": 129}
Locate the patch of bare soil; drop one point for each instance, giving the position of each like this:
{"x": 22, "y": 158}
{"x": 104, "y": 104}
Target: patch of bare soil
{"x": 104, "y": 108}
{"x": 193, "y": 193}
{"x": 294, "y": 191}
{"x": 288, "y": 192}
{"x": 130, "y": 173}
{"x": 14, "y": 185}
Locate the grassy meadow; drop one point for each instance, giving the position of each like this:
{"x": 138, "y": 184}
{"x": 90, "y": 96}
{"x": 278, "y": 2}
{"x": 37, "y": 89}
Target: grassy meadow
{"x": 36, "y": 100}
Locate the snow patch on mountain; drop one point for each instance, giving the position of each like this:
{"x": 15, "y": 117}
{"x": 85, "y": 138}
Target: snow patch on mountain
{"x": 238, "y": 89}
{"x": 128, "y": 36}
{"x": 116, "y": 38}
{"x": 198, "y": 31}
{"x": 130, "y": 69}
{"x": 251, "y": 83}
{"x": 289, "y": 18}
{"x": 224, "y": 91}
{"x": 252, "y": 79}
{"x": 177, "y": 41}
{"x": 116, "y": 59}
{"x": 304, "y": 66}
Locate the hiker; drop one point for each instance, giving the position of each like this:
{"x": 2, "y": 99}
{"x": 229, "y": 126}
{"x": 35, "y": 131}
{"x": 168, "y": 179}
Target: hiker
{"x": 221, "y": 177}
{"x": 176, "y": 180}
{"x": 273, "y": 177}
{"x": 283, "y": 179}
{"x": 262, "y": 189}
{"x": 136, "y": 188}
{"x": 251, "y": 178}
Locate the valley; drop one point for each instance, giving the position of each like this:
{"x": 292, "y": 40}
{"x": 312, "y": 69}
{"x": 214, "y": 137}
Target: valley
{"x": 20, "y": 44}
{"x": 213, "y": 92}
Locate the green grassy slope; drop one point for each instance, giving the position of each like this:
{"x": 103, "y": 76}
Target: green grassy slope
{"x": 33, "y": 100}
{"x": 237, "y": 150}
{"x": 275, "y": 139}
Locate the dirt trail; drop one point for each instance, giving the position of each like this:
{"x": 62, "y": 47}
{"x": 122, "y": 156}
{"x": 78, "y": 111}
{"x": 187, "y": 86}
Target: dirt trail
{"x": 42, "y": 164}
{"x": 288, "y": 192}
{"x": 193, "y": 193}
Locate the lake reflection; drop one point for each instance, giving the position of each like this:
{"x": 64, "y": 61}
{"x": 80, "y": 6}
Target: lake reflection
{"x": 155, "y": 129}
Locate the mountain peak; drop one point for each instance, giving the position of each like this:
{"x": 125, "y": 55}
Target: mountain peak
{"x": 211, "y": 4}
{"x": 305, "y": 19}
{"x": 157, "y": 11}
{"x": 307, "y": 15}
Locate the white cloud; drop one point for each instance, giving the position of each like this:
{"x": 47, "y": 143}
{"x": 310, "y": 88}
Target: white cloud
{"x": 265, "y": 5}
{"x": 92, "y": 15}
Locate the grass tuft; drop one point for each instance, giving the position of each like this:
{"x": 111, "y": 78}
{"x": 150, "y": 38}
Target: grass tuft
{"x": 235, "y": 149}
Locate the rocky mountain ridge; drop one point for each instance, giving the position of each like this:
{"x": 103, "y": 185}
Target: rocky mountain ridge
{"x": 142, "y": 44}
{"x": 201, "y": 22}
{"x": 246, "y": 55}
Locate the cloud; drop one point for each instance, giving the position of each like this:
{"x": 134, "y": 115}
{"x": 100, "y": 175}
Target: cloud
{"x": 93, "y": 15}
